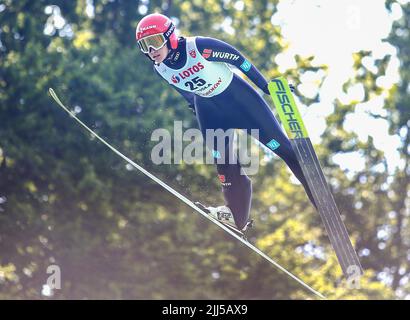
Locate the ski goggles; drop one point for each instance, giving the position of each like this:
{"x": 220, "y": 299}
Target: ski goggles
{"x": 156, "y": 41}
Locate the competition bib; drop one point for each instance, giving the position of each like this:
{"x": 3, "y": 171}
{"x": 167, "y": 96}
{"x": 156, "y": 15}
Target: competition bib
{"x": 200, "y": 76}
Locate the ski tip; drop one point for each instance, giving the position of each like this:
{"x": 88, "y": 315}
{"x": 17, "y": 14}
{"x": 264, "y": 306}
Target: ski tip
{"x": 55, "y": 97}
{"x": 52, "y": 94}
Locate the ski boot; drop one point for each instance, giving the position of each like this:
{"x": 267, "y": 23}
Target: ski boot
{"x": 224, "y": 215}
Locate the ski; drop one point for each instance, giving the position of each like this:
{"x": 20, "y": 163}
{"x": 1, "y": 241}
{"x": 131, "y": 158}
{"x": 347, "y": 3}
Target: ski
{"x": 301, "y": 144}
{"x": 185, "y": 199}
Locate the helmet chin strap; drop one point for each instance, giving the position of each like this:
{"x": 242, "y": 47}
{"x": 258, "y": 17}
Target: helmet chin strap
{"x": 170, "y": 55}
{"x": 172, "y": 52}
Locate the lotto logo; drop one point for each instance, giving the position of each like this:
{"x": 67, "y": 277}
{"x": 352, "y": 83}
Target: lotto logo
{"x": 175, "y": 79}
{"x": 191, "y": 71}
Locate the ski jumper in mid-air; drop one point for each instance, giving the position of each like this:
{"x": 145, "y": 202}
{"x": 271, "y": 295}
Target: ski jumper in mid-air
{"x": 197, "y": 67}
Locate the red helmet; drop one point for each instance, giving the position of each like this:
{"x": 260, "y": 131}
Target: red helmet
{"x": 155, "y": 30}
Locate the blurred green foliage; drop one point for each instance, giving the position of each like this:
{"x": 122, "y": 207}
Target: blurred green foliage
{"x": 67, "y": 200}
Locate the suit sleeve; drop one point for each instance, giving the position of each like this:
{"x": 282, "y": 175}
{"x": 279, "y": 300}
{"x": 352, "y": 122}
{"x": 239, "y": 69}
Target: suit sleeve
{"x": 220, "y": 51}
